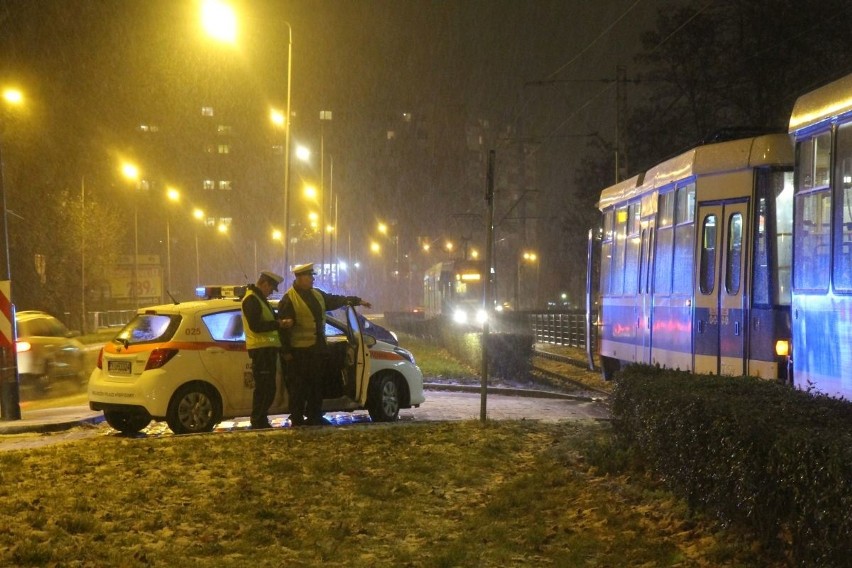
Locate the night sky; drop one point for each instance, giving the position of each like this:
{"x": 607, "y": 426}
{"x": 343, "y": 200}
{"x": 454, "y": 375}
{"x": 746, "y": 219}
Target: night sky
{"x": 94, "y": 69}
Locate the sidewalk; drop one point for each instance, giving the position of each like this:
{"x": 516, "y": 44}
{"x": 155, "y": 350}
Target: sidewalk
{"x": 67, "y": 417}
{"x": 51, "y": 420}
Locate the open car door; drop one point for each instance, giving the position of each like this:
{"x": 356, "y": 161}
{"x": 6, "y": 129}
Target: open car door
{"x": 358, "y": 357}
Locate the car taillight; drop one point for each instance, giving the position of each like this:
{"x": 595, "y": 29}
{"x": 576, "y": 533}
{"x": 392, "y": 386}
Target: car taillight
{"x": 100, "y": 364}
{"x": 21, "y": 346}
{"x": 160, "y": 357}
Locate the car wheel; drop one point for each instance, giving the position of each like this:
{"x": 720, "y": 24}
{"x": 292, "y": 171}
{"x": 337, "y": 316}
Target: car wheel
{"x": 127, "y": 422}
{"x": 383, "y": 399}
{"x": 194, "y": 408}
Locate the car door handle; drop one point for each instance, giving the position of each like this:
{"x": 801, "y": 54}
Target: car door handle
{"x": 215, "y": 350}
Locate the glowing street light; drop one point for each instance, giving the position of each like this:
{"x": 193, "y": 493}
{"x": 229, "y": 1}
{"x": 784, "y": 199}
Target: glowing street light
{"x": 303, "y": 153}
{"x": 219, "y": 21}
{"x": 131, "y": 172}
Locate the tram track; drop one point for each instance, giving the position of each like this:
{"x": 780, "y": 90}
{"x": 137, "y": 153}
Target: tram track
{"x": 568, "y": 370}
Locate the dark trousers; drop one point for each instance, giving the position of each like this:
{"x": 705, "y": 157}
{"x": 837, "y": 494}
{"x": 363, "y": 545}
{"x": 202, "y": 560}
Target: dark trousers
{"x": 306, "y": 371}
{"x": 264, "y": 363}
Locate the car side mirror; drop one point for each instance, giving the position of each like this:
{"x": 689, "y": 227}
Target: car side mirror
{"x": 369, "y": 340}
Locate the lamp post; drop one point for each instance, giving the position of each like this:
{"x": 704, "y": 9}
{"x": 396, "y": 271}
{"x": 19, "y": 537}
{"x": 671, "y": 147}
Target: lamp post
{"x": 10, "y": 407}
{"x": 220, "y": 22}
{"x": 131, "y": 172}
{"x": 83, "y": 255}
{"x": 172, "y": 195}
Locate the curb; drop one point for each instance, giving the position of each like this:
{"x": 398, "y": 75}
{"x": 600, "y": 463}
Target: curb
{"x": 506, "y": 391}
{"x": 48, "y": 425}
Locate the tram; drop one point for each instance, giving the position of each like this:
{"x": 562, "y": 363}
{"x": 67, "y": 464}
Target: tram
{"x": 736, "y": 258}
{"x": 454, "y": 289}
{"x": 696, "y": 261}
{"x": 821, "y": 126}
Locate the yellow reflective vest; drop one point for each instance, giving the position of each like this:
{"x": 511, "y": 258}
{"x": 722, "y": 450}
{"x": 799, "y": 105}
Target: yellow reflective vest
{"x": 256, "y": 340}
{"x": 304, "y": 331}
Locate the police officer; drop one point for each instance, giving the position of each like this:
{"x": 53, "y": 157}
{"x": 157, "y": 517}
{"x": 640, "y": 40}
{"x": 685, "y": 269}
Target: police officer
{"x": 263, "y": 344}
{"x": 304, "y": 348}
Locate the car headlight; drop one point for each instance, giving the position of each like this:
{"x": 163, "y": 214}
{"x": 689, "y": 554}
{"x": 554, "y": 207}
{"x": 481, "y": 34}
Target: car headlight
{"x": 405, "y": 353}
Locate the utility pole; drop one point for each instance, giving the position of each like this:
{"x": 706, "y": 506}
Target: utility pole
{"x": 486, "y": 289}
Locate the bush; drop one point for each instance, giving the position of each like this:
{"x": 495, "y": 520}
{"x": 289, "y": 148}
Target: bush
{"x": 753, "y": 452}
{"x": 509, "y": 354}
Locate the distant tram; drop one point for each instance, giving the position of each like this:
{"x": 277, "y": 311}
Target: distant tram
{"x": 454, "y": 289}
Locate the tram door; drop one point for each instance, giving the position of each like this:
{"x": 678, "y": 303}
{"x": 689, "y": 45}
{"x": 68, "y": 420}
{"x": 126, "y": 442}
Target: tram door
{"x": 719, "y": 316}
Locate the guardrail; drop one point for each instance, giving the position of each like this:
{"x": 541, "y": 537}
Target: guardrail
{"x": 109, "y": 318}
{"x": 562, "y": 328}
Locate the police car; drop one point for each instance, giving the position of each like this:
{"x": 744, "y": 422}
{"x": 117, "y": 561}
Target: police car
{"x": 186, "y": 363}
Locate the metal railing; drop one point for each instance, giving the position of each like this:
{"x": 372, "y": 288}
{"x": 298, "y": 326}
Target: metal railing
{"x": 562, "y": 328}
{"x": 109, "y": 318}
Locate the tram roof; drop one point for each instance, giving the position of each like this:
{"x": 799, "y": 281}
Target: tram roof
{"x": 622, "y": 191}
{"x": 831, "y": 100}
{"x": 766, "y": 150}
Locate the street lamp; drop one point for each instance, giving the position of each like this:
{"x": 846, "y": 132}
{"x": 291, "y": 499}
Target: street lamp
{"x": 220, "y": 22}
{"x": 131, "y": 172}
{"x": 10, "y": 407}
{"x": 172, "y": 195}
{"x": 530, "y": 258}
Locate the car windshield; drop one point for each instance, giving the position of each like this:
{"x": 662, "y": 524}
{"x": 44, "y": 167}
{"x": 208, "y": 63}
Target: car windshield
{"x": 145, "y": 328}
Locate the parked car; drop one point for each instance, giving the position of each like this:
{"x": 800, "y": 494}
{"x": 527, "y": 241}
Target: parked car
{"x": 187, "y": 363}
{"x": 46, "y": 350}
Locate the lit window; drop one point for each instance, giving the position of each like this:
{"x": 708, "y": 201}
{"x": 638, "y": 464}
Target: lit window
{"x": 278, "y": 150}
{"x": 391, "y": 134}
{"x": 209, "y": 184}
{"x": 406, "y": 117}
{"x": 224, "y": 129}
{"x": 225, "y": 185}
{"x": 207, "y": 111}
{"x": 224, "y": 149}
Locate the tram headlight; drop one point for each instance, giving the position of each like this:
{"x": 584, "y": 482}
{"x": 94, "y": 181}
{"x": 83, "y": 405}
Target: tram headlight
{"x": 460, "y": 316}
{"x": 782, "y": 348}
{"x": 481, "y": 316}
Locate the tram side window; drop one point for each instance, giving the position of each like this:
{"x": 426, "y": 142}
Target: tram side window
{"x": 684, "y": 239}
{"x": 761, "y": 270}
{"x": 619, "y": 243}
{"x": 843, "y": 183}
{"x": 606, "y": 253}
{"x": 664, "y": 246}
{"x": 813, "y": 213}
{"x": 707, "y": 272}
{"x": 772, "y": 270}
{"x": 733, "y": 266}
{"x": 631, "y": 261}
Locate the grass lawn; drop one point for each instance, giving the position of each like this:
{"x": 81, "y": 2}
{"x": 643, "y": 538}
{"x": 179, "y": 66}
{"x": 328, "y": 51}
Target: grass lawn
{"x": 428, "y": 494}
